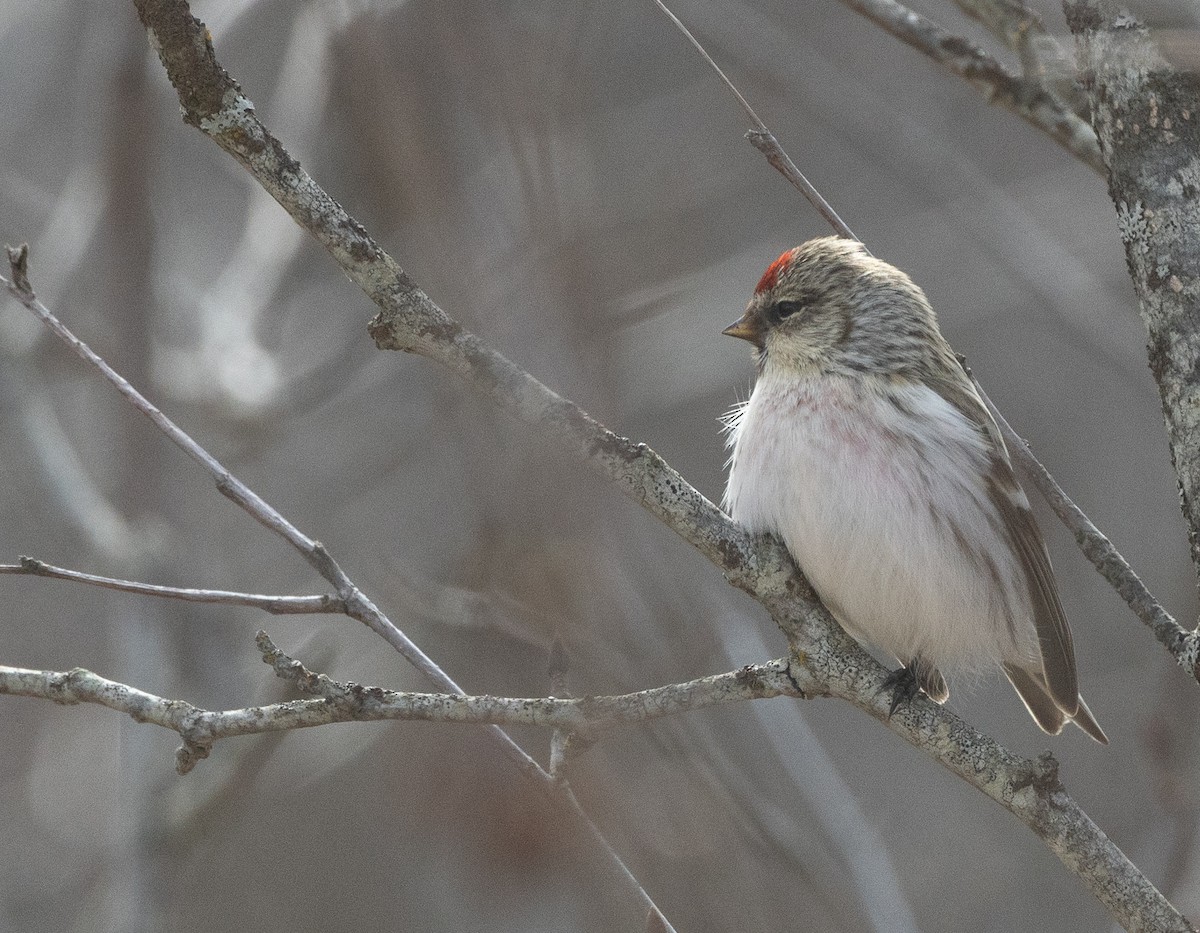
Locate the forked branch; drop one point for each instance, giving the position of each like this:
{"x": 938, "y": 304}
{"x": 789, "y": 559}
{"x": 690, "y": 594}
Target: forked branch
{"x": 347, "y": 702}
{"x": 409, "y": 320}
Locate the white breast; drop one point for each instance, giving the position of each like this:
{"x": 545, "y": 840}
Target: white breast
{"x": 884, "y": 508}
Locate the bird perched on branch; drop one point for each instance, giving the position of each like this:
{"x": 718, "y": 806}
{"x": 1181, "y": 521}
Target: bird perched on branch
{"x": 866, "y": 448}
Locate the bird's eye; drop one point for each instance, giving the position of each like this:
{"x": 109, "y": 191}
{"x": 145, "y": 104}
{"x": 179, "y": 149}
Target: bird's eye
{"x": 787, "y": 309}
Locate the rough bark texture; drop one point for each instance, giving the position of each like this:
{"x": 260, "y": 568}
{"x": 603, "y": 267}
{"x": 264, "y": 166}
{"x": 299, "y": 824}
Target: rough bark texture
{"x": 410, "y": 321}
{"x": 1147, "y": 117}
{"x": 1027, "y": 99}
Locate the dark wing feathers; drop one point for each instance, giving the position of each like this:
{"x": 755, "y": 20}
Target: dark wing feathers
{"x": 1054, "y": 635}
{"x": 1041, "y": 705}
{"x": 1058, "y": 676}
{"x": 1044, "y": 709}
{"x": 1087, "y": 722}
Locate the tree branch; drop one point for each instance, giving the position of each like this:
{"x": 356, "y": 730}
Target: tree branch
{"x": 276, "y": 605}
{"x": 409, "y": 320}
{"x": 1183, "y": 645}
{"x": 1147, "y": 117}
{"x": 356, "y": 604}
{"x": 1044, "y": 60}
{"x": 335, "y": 702}
{"x": 1027, "y": 99}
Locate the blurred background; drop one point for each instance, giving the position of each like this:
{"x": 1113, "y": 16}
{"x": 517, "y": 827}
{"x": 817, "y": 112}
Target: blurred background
{"x": 571, "y": 182}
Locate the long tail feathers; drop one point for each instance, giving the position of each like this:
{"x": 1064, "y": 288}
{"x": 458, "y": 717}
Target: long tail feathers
{"x": 1045, "y": 712}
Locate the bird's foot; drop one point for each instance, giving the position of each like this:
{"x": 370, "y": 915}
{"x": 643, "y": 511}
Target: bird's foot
{"x": 903, "y": 685}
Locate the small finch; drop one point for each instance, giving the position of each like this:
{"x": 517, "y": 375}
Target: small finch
{"x": 866, "y": 448}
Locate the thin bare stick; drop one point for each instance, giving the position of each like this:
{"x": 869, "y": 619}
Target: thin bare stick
{"x": 276, "y": 605}
{"x": 1184, "y": 646}
{"x": 357, "y": 605}
{"x": 344, "y": 702}
{"x": 754, "y": 118}
{"x": 1029, "y": 100}
{"x": 764, "y": 140}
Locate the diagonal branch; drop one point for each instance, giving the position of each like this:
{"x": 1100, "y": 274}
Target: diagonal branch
{"x": 1027, "y": 99}
{"x": 356, "y": 603}
{"x": 409, "y": 320}
{"x": 1183, "y": 645}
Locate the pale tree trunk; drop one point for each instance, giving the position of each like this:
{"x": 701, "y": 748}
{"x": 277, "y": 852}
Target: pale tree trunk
{"x": 1145, "y": 103}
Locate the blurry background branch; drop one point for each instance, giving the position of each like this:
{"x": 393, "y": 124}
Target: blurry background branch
{"x": 1183, "y": 645}
{"x": 409, "y": 320}
{"x": 1044, "y": 59}
{"x": 355, "y": 603}
{"x": 1025, "y": 96}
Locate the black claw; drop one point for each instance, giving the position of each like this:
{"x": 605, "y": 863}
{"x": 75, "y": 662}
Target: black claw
{"x": 903, "y": 685}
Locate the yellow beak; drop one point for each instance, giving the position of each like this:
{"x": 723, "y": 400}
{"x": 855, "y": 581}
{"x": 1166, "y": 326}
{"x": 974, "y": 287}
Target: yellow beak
{"x": 747, "y": 327}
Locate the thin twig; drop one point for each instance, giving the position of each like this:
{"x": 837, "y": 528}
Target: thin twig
{"x": 411, "y": 321}
{"x": 754, "y": 118}
{"x": 764, "y": 140}
{"x": 277, "y": 605}
{"x": 335, "y": 702}
{"x": 1027, "y": 99}
{"x": 1183, "y": 645}
{"x": 357, "y": 605}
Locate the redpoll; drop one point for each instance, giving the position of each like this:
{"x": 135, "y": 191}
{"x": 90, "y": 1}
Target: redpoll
{"x": 866, "y": 449}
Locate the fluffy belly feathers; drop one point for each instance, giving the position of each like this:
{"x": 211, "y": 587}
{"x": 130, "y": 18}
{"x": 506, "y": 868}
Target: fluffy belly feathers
{"x": 883, "y": 506}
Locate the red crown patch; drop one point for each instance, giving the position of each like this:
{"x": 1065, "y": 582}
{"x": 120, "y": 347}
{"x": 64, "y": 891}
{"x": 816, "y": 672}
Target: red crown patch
{"x": 771, "y": 277}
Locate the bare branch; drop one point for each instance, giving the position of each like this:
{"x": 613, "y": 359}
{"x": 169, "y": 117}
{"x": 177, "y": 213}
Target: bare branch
{"x": 584, "y": 715}
{"x": 335, "y": 702}
{"x": 1044, "y": 59}
{"x": 409, "y": 320}
{"x": 277, "y": 605}
{"x": 356, "y": 604}
{"x": 764, "y": 140}
{"x": 1027, "y": 99}
{"x": 1183, "y": 645}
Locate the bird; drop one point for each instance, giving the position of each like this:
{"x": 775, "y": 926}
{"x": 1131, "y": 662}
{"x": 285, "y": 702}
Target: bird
{"x": 866, "y": 448}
